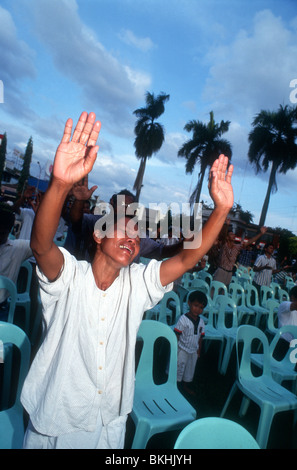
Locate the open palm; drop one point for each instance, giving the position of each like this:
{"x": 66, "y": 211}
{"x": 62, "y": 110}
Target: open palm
{"x": 220, "y": 186}
{"x": 76, "y": 156}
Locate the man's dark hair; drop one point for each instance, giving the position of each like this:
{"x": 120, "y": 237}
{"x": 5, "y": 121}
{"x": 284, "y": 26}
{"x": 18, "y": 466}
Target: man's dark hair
{"x": 198, "y": 296}
{"x": 123, "y": 192}
{"x": 293, "y": 292}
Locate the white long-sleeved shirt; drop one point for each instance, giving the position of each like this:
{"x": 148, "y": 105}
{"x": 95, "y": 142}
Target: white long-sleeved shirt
{"x": 86, "y": 361}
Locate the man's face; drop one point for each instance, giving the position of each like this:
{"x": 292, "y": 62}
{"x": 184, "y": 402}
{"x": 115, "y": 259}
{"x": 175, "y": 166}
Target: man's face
{"x": 124, "y": 246}
{"x": 269, "y": 250}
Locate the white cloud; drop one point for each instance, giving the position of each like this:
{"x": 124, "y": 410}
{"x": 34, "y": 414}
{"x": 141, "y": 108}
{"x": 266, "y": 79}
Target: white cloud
{"x": 106, "y": 83}
{"x": 143, "y": 44}
{"x": 253, "y": 72}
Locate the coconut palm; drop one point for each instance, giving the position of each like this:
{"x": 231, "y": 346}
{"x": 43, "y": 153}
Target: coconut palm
{"x": 273, "y": 144}
{"x": 204, "y": 148}
{"x": 150, "y": 135}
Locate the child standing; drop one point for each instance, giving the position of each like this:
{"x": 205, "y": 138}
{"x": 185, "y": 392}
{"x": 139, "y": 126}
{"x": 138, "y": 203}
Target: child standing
{"x": 190, "y": 332}
{"x": 80, "y": 386}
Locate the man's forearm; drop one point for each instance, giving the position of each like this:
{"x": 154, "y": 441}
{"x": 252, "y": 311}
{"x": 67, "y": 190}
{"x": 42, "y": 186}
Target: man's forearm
{"x": 47, "y": 217}
{"x": 76, "y": 211}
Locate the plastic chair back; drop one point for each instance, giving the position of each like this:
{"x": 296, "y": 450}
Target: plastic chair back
{"x": 215, "y": 433}
{"x": 166, "y": 313}
{"x": 272, "y": 306}
{"x": 283, "y": 295}
{"x": 157, "y": 407}
{"x": 248, "y": 335}
{"x": 218, "y": 288}
{"x": 10, "y": 286}
{"x": 149, "y": 332}
{"x": 266, "y": 293}
{"x": 199, "y": 284}
{"x": 205, "y": 276}
{"x": 12, "y": 419}
{"x": 24, "y": 278}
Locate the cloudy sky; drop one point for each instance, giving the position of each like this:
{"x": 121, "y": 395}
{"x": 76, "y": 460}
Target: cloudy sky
{"x": 232, "y": 57}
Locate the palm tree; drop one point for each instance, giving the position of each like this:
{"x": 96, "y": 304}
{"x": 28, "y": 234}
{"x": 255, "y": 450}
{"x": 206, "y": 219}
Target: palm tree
{"x": 273, "y": 144}
{"x": 150, "y": 135}
{"x": 204, "y": 147}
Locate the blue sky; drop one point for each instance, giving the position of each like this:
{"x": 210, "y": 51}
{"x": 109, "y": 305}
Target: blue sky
{"x": 232, "y": 57}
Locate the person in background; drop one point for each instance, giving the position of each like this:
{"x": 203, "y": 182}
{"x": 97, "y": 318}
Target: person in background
{"x": 190, "y": 330}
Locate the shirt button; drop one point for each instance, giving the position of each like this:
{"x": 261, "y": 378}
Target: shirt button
{"x": 100, "y": 367}
{"x": 100, "y": 392}
{"x": 102, "y": 319}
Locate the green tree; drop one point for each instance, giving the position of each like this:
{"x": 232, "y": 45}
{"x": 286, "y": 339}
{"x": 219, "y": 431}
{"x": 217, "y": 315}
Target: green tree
{"x": 2, "y": 155}
{"x": 273, "y": 144}
{"x": 25, "y": 173}
{"x": 150, "y": 134}
{"x": 204, "y": 148}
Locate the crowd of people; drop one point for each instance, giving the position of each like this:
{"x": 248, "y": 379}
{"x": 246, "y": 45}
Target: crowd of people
{"x": 94, "y": 291}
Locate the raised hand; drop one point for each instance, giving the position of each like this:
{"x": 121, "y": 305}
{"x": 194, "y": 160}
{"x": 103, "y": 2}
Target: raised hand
{"x": 76, "y": 156}
{"x": 81, "y": 191}
{"x": 220, "y": 187}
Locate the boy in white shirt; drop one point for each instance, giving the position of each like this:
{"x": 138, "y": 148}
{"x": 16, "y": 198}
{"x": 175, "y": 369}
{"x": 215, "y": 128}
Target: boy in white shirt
{"x": 190, "y": 330}
{"x": 79, "y": 389}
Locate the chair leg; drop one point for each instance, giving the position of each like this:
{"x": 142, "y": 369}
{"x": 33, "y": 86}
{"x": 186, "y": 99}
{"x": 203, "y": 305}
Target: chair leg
{"x": 230, "y": 396}
{"x": 244, "y": 406}
{"x": 264, "y": 426}
{"x": 227, "y": 355}
{"x": 141, "y": 436}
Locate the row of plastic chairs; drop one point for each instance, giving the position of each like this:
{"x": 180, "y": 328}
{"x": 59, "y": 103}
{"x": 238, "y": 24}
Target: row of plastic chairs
{"x": 265, "y": 389}
{"x": 19, "y": 298}
{"x": 161, "y": 407}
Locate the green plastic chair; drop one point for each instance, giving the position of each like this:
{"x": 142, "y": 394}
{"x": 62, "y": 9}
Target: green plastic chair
{"x": 226, "y": 306}
{"x": 215, "y": 433}
{"x": 212, "y": 333}
{"x": 157, "y": 407}
{"x": 266, "y": 293}
{"x": 271, "y": 328}
{"x": 237, "y": 294}
{"x": 252, "y": 302}
{"x": 218, "y": 288}
{"x": 205, "y": 276}
{"x": 283, "y": 295}
{"x": 12, "y": 419}
{"x": 162, "y": 312}
{"x": 10, "y": 286}
{"x": 270, "y": 396}
{"x": 284, "y": 369}
{"x": 199, "y": 284}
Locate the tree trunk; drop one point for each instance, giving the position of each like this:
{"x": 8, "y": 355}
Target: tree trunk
{"x": 267, "y": 197}
{"x": 139, "y": 178}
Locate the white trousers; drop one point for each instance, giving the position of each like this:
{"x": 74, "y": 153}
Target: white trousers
{"x": 111, "y": 436}
{"x": 186, "y": 363}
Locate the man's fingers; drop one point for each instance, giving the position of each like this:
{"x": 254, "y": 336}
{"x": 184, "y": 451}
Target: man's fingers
{"x": 67, "y": 131}
{"x": 80, "y": 126}
{"x": 229, "y": 174}
{"x": 91, "y": 141}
